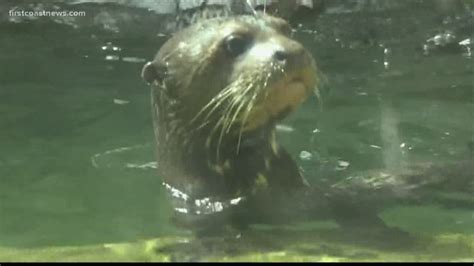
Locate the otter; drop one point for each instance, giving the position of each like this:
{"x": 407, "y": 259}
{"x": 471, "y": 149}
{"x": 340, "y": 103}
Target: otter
{"x": 218, "y": 88}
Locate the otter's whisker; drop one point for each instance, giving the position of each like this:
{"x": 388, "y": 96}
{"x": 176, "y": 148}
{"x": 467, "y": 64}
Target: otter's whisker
{"x": 317, "y": 93}
{"x": 222, "y": 123}
{"x": 230, "y": 113}
{"x": 252, "y": 8}
{"x": 250, "y": 105}
{"x": 249, "y": 108}
{"x": 236, "y": 113}
{"x": 215, "y": 102}
{"x": 240, "y": 106}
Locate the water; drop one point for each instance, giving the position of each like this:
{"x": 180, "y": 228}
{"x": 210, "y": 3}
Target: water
{"x": 76, "y": 137}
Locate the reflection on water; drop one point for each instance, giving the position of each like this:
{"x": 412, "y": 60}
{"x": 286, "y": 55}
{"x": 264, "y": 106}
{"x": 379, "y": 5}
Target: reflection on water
{"x": 77, "y": 161}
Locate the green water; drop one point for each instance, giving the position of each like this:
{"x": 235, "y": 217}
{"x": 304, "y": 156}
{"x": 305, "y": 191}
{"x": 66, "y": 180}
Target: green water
{"x": 65, "y": 182}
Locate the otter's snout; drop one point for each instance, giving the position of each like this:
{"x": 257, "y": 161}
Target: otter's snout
{"x": 281, "y": 56}
{"x": 289, "y": 52}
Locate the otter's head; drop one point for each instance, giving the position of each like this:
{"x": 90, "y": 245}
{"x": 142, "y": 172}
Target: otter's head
{"x": 227, "y": 77}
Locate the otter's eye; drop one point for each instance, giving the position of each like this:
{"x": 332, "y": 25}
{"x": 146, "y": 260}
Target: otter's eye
{"x": 237, "y": 45}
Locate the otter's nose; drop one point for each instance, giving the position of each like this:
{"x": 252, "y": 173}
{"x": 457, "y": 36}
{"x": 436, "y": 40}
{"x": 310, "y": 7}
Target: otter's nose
{"x": 288, "y": 52}
{"x": 281, "y": 55}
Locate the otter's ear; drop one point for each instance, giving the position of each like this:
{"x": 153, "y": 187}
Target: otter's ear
{"x": 151, "y": 73}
